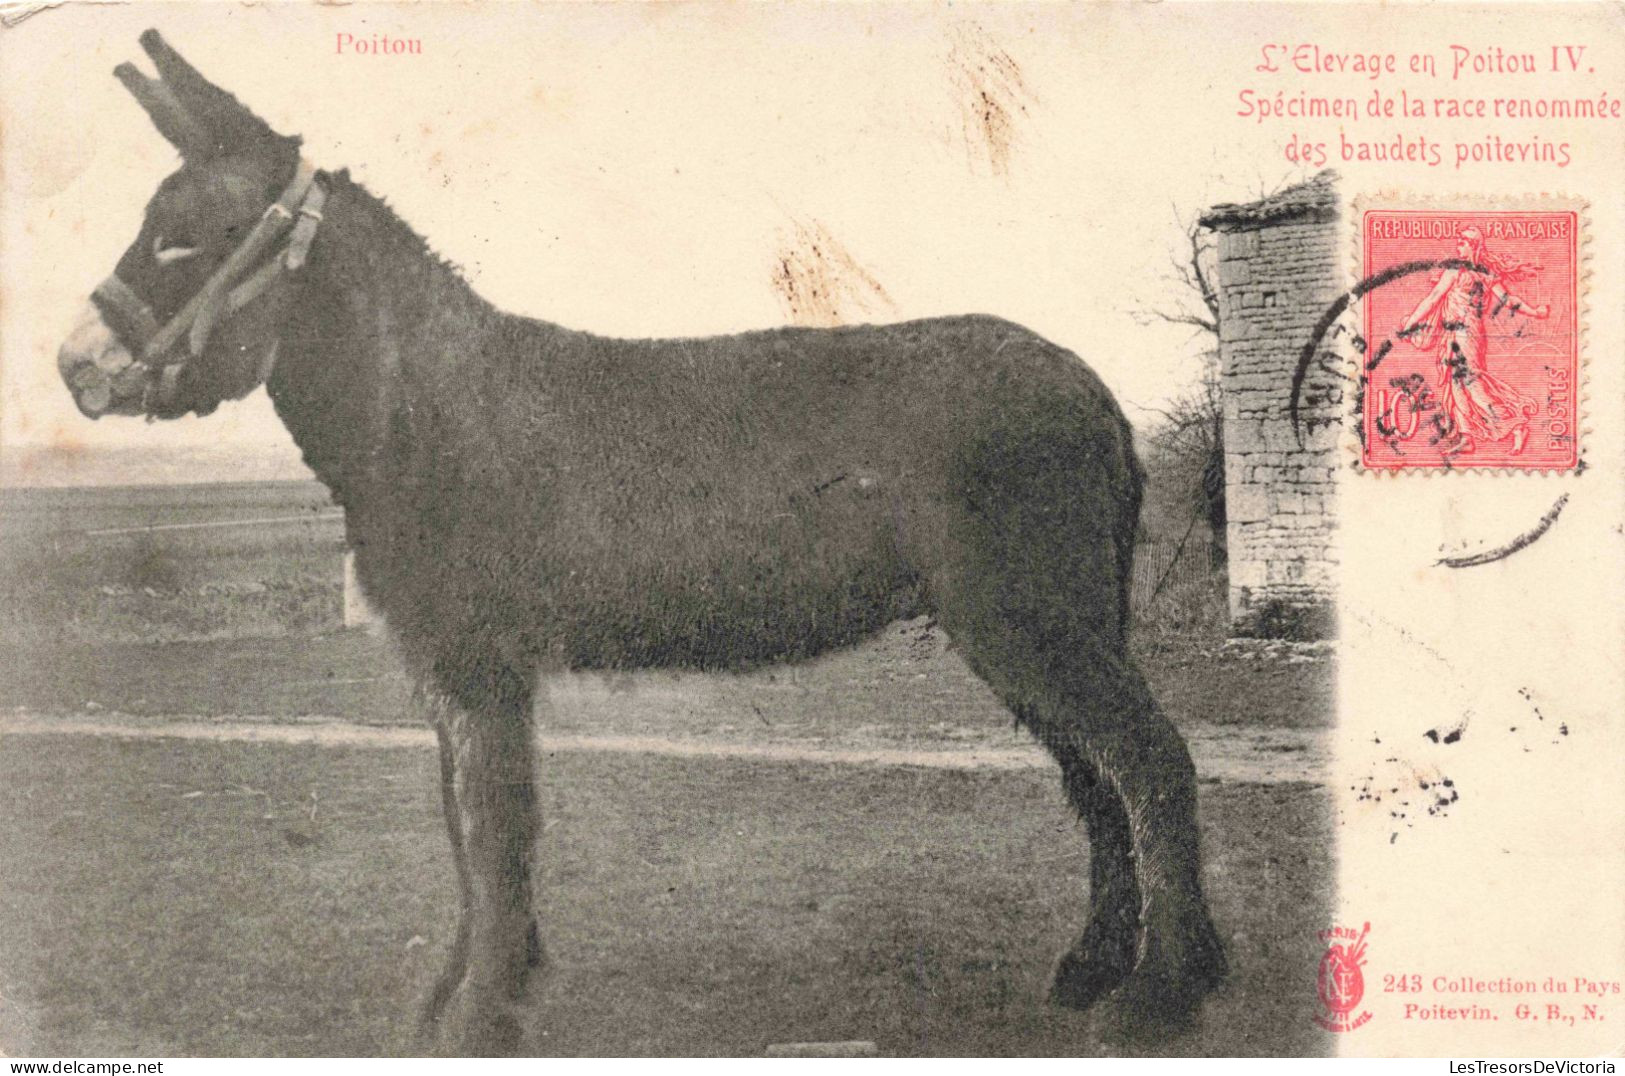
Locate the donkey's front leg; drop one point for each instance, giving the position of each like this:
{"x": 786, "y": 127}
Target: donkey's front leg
{"x": 437, "y": 711}
{"x": 488, "y": 775}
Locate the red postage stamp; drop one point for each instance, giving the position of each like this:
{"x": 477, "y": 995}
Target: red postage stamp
{"x": 1471, "y": 319}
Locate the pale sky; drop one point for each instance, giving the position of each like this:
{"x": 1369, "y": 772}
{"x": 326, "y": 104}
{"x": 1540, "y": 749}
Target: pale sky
{"x": 633, "y": 172}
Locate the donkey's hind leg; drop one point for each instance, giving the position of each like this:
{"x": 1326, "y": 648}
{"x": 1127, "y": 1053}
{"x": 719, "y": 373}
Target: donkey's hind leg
{"x": 1029, "y": 570}
{"x": 1143, "y": 802}
{"x": 1149, "y": 942}
{"x": 1102, "y": 958}
{"x": 1147, "y": 769}
{"x": 488, "y": 783}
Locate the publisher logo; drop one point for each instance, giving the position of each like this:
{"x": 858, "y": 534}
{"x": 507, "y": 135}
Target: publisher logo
{"x": 1339, "y": 982}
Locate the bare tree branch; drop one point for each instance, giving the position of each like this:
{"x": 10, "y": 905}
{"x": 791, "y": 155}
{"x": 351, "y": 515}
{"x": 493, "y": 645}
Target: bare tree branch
{"x": 1200, "y": 248}
{"x": 1188, "y": 434}
{"x": 1204, "y": 324}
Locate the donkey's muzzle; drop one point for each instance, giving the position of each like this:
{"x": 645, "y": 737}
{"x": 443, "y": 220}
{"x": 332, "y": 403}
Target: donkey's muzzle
{"x": 103, "y": 376}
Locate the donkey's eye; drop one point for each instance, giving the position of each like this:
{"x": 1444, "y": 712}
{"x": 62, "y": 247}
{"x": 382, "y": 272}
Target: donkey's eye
{"x": 168, "y": 251}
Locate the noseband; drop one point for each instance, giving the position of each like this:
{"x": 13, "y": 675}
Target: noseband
{"x": 238, "y": 281}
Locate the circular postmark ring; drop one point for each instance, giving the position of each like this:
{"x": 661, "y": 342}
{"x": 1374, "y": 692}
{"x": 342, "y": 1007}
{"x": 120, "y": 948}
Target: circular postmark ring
{"x": 1339, "y": 306}
{"x": 1491, "y": 377}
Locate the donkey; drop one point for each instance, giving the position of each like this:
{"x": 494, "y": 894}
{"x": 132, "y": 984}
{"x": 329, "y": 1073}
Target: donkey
{"x": 524, "y": 499}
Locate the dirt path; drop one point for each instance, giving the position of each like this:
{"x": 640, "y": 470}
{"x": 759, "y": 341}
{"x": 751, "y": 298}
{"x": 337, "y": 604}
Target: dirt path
{"x": 1225, "y": 753}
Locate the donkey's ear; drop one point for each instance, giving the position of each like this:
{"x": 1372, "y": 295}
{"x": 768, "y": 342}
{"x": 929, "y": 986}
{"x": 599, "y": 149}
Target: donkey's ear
{"x": 229, "y": 124}
{"x": 172, "y": 121}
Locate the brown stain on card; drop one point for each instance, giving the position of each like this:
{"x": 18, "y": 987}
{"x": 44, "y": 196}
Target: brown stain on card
{"x": 62, "y": 453}
{"x": 552, "y": 101}
{"x": 819, "y": 282}
{"x": 991, "y": 93}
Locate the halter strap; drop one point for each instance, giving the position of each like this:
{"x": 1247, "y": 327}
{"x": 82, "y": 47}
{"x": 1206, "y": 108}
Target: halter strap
{"x": 235, "y": 283}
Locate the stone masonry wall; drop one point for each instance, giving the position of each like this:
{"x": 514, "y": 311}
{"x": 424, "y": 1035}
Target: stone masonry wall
{"x": 1278, "y": 272}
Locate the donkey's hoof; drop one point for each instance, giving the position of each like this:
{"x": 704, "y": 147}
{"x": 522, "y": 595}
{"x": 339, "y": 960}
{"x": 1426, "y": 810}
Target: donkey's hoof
{"x": 468, "y": 1029}
{"x": 1091, "y": 970}
{"x": 497, "y": 1034}
{"x": 432, "y": 1037}
{"x": 1147, "y": 1008}
{"x": 1164, "y": 992}
{"x": 500, "y": 1034}
{"x": 1077, "y": 985}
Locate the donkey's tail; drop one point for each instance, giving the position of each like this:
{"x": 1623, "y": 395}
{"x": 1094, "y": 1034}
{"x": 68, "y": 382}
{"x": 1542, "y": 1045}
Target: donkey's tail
{"x": 1127, "y": 529}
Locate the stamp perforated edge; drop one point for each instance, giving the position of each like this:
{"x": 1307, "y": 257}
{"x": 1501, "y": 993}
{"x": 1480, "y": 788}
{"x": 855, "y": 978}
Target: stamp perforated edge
{"x": 1476, "y": 203}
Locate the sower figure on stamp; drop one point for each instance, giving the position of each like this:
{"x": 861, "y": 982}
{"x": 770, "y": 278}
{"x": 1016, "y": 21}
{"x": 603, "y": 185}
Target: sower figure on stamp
{"x": 1452, "y": 320}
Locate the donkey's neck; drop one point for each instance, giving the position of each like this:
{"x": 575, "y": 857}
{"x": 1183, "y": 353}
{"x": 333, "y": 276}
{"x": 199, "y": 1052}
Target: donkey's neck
{"x": 372, "y": 304}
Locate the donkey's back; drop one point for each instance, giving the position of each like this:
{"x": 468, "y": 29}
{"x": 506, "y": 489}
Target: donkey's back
{"x": 720, "y": 502}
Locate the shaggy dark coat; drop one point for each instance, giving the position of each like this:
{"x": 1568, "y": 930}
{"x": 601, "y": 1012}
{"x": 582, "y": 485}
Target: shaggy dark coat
{"x": 524, "y": 499}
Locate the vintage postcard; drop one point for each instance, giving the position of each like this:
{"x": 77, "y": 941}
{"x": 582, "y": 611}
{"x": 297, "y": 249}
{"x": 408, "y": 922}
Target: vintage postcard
{"x": 1430, "y": 399}
{"x": 786, "y": 530}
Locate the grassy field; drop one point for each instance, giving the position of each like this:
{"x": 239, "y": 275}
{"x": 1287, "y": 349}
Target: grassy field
{"x": 170, "y": 897}
{"x": 907, "y": 681}
{"x": 692, "y": 907}
{"x": 80, "y": 565}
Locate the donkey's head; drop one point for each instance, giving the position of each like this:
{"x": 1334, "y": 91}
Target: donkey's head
{"x": 191, "y": 313}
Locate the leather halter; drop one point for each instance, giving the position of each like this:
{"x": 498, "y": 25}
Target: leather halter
{"x": 238, "y": 281}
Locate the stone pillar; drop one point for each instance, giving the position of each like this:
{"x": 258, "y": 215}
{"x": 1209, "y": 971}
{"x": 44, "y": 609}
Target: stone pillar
{"x": 1279, "y": 270}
